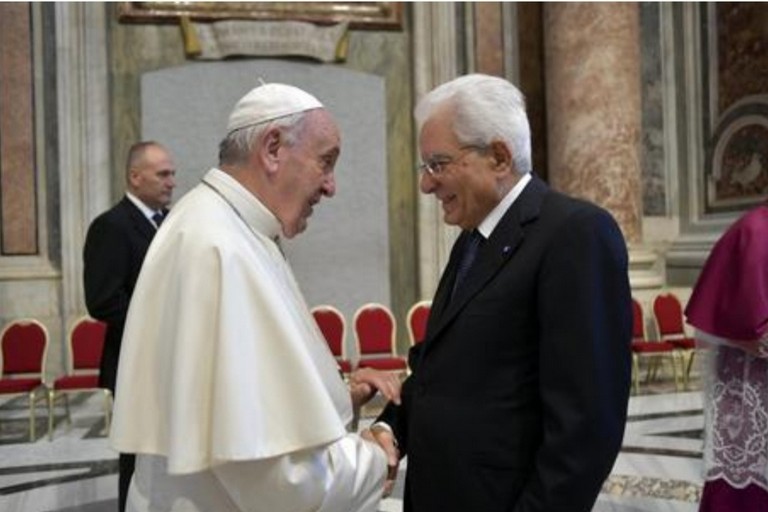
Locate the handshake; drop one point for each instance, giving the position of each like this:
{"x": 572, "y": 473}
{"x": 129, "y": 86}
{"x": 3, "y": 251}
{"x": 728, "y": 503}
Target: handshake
{"x": 363, "y": 385}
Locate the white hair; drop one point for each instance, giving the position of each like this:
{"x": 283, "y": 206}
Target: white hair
{"x": 239, "y": 143}
{"x": 486, "y": 109}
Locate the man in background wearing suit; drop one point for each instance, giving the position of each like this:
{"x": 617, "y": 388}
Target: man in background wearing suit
{"x": 518, "y": 395}
{"x": 115, "y": 246}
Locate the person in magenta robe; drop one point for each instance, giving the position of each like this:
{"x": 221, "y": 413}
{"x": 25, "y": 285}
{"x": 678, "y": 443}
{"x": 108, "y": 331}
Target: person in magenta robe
{"x": 729, "y": 310}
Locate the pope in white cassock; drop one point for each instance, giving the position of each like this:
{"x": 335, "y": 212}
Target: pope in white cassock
{"x": 228, "y": 392}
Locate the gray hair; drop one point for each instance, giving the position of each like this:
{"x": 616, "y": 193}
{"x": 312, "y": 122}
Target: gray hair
{"x": 136, "y": 154}
{"x": 486, "y": 109}
{"x": 235, "y": 148}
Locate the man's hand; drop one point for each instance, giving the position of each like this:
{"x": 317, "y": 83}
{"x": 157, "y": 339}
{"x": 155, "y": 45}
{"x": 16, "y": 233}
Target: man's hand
{"x": 364, "y": 382}
{"x": 384, "y": 438}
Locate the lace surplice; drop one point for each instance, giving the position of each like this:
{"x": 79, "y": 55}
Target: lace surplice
{"x": 736, "y": 412}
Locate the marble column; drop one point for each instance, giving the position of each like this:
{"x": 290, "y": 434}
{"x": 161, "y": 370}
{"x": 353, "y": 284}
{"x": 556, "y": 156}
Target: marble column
{"x": 592, "y": 54}
{"x": 593, "y": 105}
{"x": 83, "y": 115}
{"x": 436, "y": 58}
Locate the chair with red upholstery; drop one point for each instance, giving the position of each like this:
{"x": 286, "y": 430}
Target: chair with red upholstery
{"x": 416, "y": 321}
{"x": 334, "y": 328}
{"x": 375, "y": 332}
{"x": 653, "y": 350}
{"x": 85, "y": 342}
{"x": 22, "y": 362}
{"x": 668, "y": 313}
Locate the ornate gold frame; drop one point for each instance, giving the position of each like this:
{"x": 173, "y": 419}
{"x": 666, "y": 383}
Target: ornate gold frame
{"x": 360, "y": 15}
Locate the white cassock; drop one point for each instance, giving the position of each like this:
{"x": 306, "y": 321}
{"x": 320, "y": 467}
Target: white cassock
{"x": 227, "y": 390}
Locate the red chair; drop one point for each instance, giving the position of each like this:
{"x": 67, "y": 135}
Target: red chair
{"x": 375, "y": 332}
{"x": 334, "y": 328}
{"x": 22, "y": 362}
{"x": 668, "y": 313}
{"x": 85, "y": 343}
{"x": 416, "y": 321}
{"x": 655, "y": 351}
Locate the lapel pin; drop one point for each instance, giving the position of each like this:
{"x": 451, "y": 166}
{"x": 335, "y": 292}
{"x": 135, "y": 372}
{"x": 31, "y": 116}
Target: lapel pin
{"x": 506, "y": 249}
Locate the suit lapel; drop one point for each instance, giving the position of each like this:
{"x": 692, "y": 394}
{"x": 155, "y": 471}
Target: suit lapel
{"x": 140, "y": 223}
{"x": 495, "y": 253}
{"x": 444, "y": 287}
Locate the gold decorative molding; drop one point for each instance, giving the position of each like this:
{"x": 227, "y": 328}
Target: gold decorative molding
{"x": 359, "y": 15}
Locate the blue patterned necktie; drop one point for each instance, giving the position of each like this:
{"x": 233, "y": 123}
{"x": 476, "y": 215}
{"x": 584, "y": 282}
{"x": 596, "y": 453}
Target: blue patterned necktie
{"x": 470, "y": 252}
{"x": 158, "y": 219}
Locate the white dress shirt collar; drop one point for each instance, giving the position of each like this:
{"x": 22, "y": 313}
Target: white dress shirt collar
{"x": 146, "y": 210}
{"x": 492, "y": 220}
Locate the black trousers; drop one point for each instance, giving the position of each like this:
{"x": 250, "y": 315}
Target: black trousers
{"x": 125, "y": 465}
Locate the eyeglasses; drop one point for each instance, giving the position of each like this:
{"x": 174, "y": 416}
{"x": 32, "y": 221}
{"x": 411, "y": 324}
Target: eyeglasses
{"x": 437, "y": 164}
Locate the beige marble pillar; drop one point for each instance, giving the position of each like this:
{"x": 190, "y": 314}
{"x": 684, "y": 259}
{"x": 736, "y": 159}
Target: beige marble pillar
{"x": 592, "y": 53}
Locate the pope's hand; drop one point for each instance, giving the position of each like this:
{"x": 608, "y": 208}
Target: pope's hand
{"x": 364, "y": 382}
{"x": 384, "y": 438}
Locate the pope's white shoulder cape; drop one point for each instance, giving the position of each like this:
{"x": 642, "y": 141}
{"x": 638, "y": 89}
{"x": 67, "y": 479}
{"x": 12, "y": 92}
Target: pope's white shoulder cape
{"x": 221, "y": 359}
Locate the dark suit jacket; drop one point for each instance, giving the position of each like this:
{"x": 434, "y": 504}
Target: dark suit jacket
{"x": 115, "y": 246}
{"x": 518, "y": 396}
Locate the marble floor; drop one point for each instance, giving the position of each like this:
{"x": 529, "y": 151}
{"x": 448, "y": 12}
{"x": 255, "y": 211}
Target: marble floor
{"x": 659, "y": 468}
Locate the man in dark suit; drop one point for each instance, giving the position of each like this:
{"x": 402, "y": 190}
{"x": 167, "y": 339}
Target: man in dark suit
{"x": 518, "y": 395}
{"x": 115, "y": 246}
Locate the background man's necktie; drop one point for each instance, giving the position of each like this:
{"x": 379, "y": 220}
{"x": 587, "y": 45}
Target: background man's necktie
{"x": 470, "y": 252}
{"x": 158, "y": 218}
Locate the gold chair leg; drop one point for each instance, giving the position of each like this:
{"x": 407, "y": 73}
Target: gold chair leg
{"x": 636, "y": 374}
{"x": 33, "y": 409}
{"x": 66, "y": 408}
{"x": 107, "y": 410}
{"x": 51, "y": 400}
{"x": 690, "y": 365}
{"x": 32, "y": 416}
{"x": 650, "y": 373}
{"x": 674, "y": 370}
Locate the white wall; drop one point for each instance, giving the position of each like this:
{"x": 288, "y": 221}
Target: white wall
{"x": 343, "y": 257}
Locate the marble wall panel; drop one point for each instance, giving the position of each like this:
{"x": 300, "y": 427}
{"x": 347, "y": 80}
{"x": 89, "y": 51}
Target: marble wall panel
{"x": 532, "y": 81}
{"x": 737, "y": 145}
{"x": 742, "y": 51}
{"x": 652, "y": 148}
{"x": 388, "y": 54}
{"x": 17, "y": 143}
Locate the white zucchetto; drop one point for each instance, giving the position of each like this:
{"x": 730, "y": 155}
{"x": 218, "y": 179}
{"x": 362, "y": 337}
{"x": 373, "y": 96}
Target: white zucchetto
{"x": 268, "y": 102}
